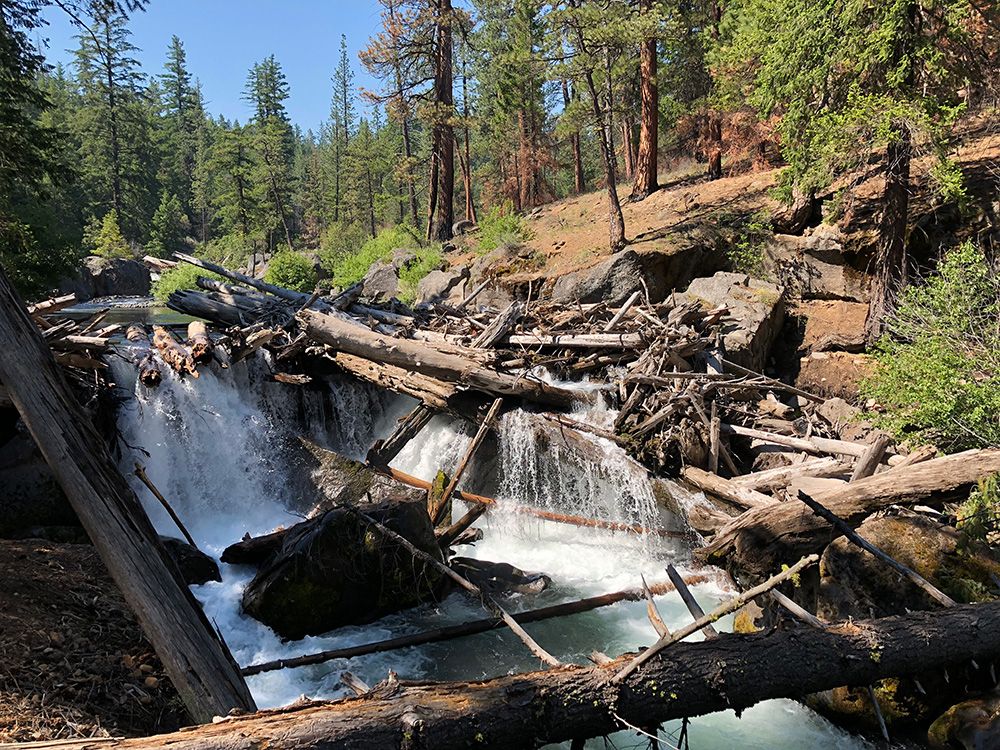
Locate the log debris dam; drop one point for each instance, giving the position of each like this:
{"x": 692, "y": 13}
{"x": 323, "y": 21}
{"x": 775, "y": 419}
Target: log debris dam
{"x": 424, "y": 529}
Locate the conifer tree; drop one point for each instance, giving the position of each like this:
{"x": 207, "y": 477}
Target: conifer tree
{"x": 168, "y": 228}
{"x": 183, "y": 117}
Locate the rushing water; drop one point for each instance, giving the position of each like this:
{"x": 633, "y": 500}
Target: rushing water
{"x": 218, "y": 449}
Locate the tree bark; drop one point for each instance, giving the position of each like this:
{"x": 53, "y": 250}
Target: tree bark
{"x": 440, "y": 228}
{"x": 196, "y": 659}
{"x": 890, "y": 264}
{"x": 575, "y": 702}
{"x": 761, "y": 539}
{"x": 616, "y": 221}
{"x": 579, "y": 184}
{"x": 646, "y": 161}
{"x": 416, "y": 357}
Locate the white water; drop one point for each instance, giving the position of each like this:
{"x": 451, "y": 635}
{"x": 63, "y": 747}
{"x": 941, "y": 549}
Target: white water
{"x": 218, "y": 450}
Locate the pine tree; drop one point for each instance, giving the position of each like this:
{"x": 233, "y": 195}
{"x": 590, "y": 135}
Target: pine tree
{"x": 183, "y": 115}
{"x": 169, "y": 227}
{"x": 110, "y": 242}
{"x": 114, "y": 121}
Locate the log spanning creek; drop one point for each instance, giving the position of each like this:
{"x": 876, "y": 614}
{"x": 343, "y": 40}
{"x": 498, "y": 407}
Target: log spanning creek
{"x": 223, "y": 449}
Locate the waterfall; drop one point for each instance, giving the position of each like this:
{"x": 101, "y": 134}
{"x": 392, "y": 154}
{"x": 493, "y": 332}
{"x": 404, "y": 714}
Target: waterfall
{"x": 223, "y": 449}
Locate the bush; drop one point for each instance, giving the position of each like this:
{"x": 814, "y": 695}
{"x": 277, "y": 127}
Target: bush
{"x": 937, "y": 368}
{"x": 181, "y": 276}
{"x": 501, "y": 227}
{"x": 292, "y": 271}
{"x": 229, "y": 250}
{"x": 428, "y": 259}
{"x": 979, "y": 516}
{"x": 351, "y": 266}
{"x": 339, "y": 240}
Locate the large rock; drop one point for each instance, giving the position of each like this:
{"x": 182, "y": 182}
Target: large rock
{"x": 336, "y": 570}
{"x": 30, "y": 497}
{"x": 971, "y": 725}
{"x": 107, "y": 277}
{"x": 855, "y": 585}
{"x": 195, "y": 566}
{"x": 612, "y": 281}
{"x": 756, "y": 314}
{"x": 443, "y": 286}
{"x": 500, "y": 579}
{"x": 814, "y": 265}
{"x": 381, "y": 282}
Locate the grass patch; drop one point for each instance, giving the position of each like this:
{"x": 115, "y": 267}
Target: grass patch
{"x": 502, "y": 227}
{"x": 347, "y": 267}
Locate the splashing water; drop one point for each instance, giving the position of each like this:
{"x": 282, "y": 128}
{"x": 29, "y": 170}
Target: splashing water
{"x": 219, "y": 450}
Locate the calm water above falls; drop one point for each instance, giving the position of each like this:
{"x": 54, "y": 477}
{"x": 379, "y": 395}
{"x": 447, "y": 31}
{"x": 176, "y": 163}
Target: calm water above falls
{"x": 218, "y": 450}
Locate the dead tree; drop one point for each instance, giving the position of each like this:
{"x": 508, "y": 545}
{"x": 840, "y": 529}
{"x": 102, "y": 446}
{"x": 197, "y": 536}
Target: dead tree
{"x": 198, "y": 662}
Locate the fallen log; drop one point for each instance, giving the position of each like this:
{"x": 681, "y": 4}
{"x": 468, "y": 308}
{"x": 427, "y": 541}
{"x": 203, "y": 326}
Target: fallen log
{"x": 445, "y": 503}
{"x": 499, "y": 327}
{"x": 772, "y": 479}
{"x": 201, "y": 345}
{"x": 173, "y": 352}
{"x": 415, "y": 357}
{"x": 472, "y": 627}
{"x": 744, "y": 497}
{"x": 808, "y": 445}
{"x": 384, "y": 451}
{"x": 52, "y": 305}
{"x": 759, "y": 540}
{"x": 286, "y": 294}
{"x": 556, "y": 705}
{"x": 578, "y": 340}
{"x": 195, "y": 658}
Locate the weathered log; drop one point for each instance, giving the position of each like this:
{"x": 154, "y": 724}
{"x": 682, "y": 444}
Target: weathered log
{"x": 173, "y": 352}
{"x": 384, "y": 451}
{"x": 760, "y": 539}
{"x": 484, "y": 428}
{"x": 534, "y": 709}
{"x": 201, "y": 345}
{"x": 772, "y": 479}
{"x": 744, "y": 497}
{"x": 286, "y": 294}
{"x": 578, "y": 340}
{"x": 52, "y": 305}
{"x": 435, "y": 393}
{"x": 415, "y": 357}
{"x": 869, "y": 460}
{"x": 500, "y": 326}
{"x": 808, "y": 445}
{"x": 198, "y": 662}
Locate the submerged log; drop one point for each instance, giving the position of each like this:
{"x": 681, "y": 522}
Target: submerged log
{"x": 571, "y": 702}
{"x": 759, "y": 540}
{"x": 198, "y": 662}
{"x": 173, "y": 352}
{"x": 415, "y": 357}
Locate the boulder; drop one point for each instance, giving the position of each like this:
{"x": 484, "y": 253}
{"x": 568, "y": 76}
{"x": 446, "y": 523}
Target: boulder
{"x": 336, "y": 570}
{"x": 756, "y": 314}
{"x": 611, "y": 281}
{"x": 971, "y": 725}
{"x": 500, "y": 579}
{"x": 381, "y": 282}
{"x": 813, "y": 265}
{"x": 107, "y": 277}
{"x": 195, "y": 566}
{"x": 30, "y": 497}
{"x": 442, "y": 286}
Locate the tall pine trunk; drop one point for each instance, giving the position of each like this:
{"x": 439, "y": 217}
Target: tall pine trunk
{"x": 714, "y": 117}
{"x": 646, "y": 161}
{"x": 574, "y": 141}
{"x": 470, "y": 204}
{"x": 404, "y": 117}
{"x": 628, "y": 152}
{"x": 443, "y": 216}
{"x": 603, "y": 115}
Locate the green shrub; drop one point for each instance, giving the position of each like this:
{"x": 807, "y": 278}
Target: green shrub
{"x": 340, "y": 239}
{"x": 979, "y": 516}
{"x": 292, "y": 271}
{"x": 937, "y": 368}
{"x": 351, "y": 266}
{"x": 745, "y": 250}
{"x": 502, "y": 227}
{"x": 229, "y": 250}
{"x": 181, "y": 276}
{"x": 428, "y": 259}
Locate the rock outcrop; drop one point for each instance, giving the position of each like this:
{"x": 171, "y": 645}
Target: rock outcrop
{"x": 106, "y": 277}
{"x": 443, "y": 286}
{"x": 814, "y": 265}
{"x": 756, "y": 314}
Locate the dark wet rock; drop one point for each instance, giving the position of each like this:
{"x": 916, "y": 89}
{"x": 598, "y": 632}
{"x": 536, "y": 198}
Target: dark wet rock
{"x": 105, "y": 277}
{"x": 443, "y": 286}
{"x": 500, "y": 579}
{"x": 30, "y": 497}
{"x": 756, "y": 314}
{"x": 195, "y": 566}
{"x": 971, "y": 725}
{"x": 336, "y": 569}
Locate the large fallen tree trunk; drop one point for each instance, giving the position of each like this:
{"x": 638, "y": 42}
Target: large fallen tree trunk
{"x": 198, "y": 662}
{"x": 530, "y": 710}
{"x": 412, "y": 356}
{"x": 758, "y": 541}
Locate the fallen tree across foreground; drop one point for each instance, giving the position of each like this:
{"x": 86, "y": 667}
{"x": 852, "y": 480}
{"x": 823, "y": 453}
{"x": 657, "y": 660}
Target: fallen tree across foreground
{"x": 536, "y": 708}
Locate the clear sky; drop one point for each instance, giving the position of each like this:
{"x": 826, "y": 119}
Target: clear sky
{"x": 223, "y": 38}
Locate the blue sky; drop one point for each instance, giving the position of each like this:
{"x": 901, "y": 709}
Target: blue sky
{"x": 223, "y": 38}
